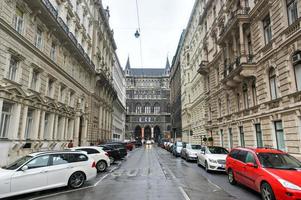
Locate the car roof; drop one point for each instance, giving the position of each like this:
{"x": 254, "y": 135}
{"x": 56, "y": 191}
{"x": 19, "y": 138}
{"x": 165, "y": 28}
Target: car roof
{"x": 34, "y": 154}
{"x": 260, "y": 149}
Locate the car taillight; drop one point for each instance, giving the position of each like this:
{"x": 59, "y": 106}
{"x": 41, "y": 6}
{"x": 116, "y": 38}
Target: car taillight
{"x": 94, "y": 165}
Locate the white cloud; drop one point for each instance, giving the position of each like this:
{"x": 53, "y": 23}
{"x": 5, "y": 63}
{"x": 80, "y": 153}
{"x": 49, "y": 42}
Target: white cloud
{"x": 162, "y": 22}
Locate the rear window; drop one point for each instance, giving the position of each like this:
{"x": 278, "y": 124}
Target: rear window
{"x": 69, "y": 157}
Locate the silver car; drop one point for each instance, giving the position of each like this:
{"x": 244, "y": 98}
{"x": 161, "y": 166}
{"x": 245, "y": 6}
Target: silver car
{"x": 190, "y": 151}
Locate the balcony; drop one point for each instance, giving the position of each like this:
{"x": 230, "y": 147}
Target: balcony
{"x": 203, "y": 68}
{"x": 238, "y": 69}
{"x": 236, "y": 17}
{"x": 49, "y": 16}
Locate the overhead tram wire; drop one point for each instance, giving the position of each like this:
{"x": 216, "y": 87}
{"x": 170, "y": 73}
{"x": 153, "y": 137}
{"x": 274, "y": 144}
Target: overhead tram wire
{"x": 139, "y": 35}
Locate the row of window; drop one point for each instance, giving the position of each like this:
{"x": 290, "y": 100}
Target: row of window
{"x": 278, "y": 130}
{"x": 50, "y": 122}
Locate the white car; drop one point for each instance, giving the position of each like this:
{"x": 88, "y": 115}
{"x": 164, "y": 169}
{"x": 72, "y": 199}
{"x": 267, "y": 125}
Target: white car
{"x": 100, "y": 156}
{"x": 190, "y": 151}
{"x": 148, "y": 142}
{"x": 213, "y": 158}
{"x": 46, "y": 170}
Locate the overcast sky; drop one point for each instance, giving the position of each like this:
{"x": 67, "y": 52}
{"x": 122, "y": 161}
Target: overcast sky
{"x": 161, "y": 21}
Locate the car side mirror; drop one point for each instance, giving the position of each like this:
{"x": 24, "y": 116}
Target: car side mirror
{"x": 252, "y": 165}
{"x": 24, "y": 168}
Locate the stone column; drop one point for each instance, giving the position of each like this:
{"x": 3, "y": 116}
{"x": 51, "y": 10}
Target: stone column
{"x": 142, "y": 133}
{"x": 15, "y": 123}
{"x": 42, "y": 126}
{"x": 76, "y": 129}
{"x": 23, "y": 124}
{"x": 100, "y": 121}
{"x": 234, "y": 45}
{"x": 152, "y": 130}
{"x": 242, "y": 43}
{"x": 55, "y": 125}
{"x": 51, "y": 127}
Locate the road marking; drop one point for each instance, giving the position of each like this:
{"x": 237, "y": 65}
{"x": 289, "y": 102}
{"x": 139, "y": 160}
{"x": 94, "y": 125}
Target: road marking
{"x": 218, "y": 187}
{"x": 100, "y": 180}
{"x": 186, "y": 197}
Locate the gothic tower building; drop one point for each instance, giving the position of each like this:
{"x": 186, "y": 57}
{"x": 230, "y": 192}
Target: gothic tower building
{"x": 147, "y": 104}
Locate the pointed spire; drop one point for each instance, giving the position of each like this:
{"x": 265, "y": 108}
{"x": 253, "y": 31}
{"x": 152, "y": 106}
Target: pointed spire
{"x": 167, "y": 66}
{"x": 128, "y": 65}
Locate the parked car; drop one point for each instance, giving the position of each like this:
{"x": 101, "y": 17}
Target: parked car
{"x": 148, "y": 142}
{"x": 177, "y": 147}
{"x": 129, "y": 146}
{"x": 213, "y": 158}
{"x": 273, "y": 173}
{"x": 190, "y": 151}
{"x": 114, "y": 154}
{"x": 100, "y": 156}
{"x": 137, "y": 143}
{"x": 46, "y": 170}
{"x": 170, "y": 147}
{"x": 119, "y": 147}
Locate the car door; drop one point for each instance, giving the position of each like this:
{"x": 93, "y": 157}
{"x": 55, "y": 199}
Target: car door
{"x": 239, "y": 167}
{"x": 32, "y": 179}
{"x": 251, "y": 173}
{"x": 202, "y": 156}
{"x": 58, "y": 171}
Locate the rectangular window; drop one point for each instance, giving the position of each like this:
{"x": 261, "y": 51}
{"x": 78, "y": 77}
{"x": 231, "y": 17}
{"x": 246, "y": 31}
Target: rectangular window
{"x": 242, "y": 136}
{"x": 267, "y": 29}
{"x": 39, "y": 39}
{"x": 53, "y": 51}
{"x": 258, "y": 135}
{"x": 72, "y": 99}
{"x": 292, "y": 11}
{"x": 29, "y": 123}
{"x": 230, "y": 138}
{"x": 222, "y": 137}
{"x": 279, "y": 135}
{"x": 298, "y": 76}
{"x": 13, "y": 67}
{"x": 46, "y": 125}
{"x": 34, "y": 80}
{"x": 18, "y": 20}
{"x": 50, "y": 90}
{"x": 5, "y": 119}
{"x": 62, "y": 93}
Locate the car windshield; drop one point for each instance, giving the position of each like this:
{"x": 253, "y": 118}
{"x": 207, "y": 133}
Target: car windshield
{"x": 278, "y": 161}
{"x": 217, "y": 150}
{"x": 179, "y": 144}
{"x": 18, "y": 163}
{"x": 195, "y": 146}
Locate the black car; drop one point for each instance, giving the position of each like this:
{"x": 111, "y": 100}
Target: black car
{"x": 114, "y": 154}
{"x": 120, "y": 147}
{"x": 137, "y": 143}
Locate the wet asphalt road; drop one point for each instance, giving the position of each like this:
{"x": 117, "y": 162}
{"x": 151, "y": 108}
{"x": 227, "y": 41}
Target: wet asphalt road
{"x": 151, "y": 173}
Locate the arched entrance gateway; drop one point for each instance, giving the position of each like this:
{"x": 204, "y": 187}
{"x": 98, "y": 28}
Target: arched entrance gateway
{"x": 147, "y": 133}
{"x": 138, "y": 133}
{"x": 157, "y": 133}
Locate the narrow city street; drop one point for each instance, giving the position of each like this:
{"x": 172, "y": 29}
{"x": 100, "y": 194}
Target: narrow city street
{"x": 152, "y": 173}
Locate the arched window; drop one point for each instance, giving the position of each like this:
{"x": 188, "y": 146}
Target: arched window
{"x": 254, "y": 93}
{"x": 156, "y": 108}
{"x": 219, "y": 108}
{"x": 297, "y": 69}
{"x": 273, "y": 84}
{"x": 138, "y": 108}
{"x": 147, "y": 108}
{"x": 245, "y": 95}
{"x": 228, "y": 105}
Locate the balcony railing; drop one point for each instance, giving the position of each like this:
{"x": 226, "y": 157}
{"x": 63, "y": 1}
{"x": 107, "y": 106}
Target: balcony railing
{"x": 63, "y": 25}
{"x": 232, "y": 18}
{"x": 230, "y": 66}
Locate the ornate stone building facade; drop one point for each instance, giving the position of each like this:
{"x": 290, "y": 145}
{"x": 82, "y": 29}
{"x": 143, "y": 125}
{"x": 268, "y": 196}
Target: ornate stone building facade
{"x": 147, "y": 103}
{"x": 175, "y": 92}
{"x": 56, "y": 75}
{"x": 119, "y": 111}
{"x": 250, "y": 62}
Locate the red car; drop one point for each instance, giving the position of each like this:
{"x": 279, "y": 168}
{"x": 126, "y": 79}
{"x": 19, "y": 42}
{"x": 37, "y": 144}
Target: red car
{"x": 273, "y": 173}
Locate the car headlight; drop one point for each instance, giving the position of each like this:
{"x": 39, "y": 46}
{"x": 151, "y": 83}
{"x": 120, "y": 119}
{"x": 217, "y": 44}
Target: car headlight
{"x": 212, "y": 160}
{"x": 289, "y": 185}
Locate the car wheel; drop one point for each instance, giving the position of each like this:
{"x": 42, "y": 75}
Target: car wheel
{"x": 76, "y": 180}
{"x": 112, "y": 160}
{"x": 101, "y": 166}
{"x": 267, "y": 192}
{"x": 198, "y": 162}
{"x": 207, "y": 167}
{"x": 231, "y": 177}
